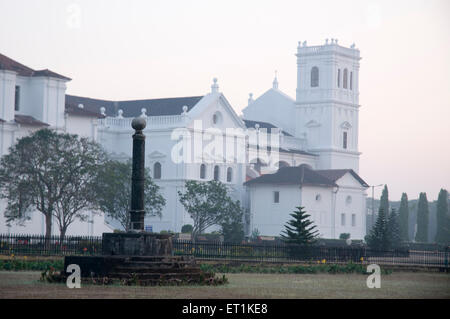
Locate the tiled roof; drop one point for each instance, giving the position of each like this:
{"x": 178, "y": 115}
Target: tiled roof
{"x": 284, "y": 150}
{"x": 265, "y": 125}
{"x": 155, "y": 107}
{"x": 51, "y": 74}
{"x": 335, "y": 174}
{"x": 28, "y": 120}
{"x": 9, "y": 64}
{"x": 75, "y": 110}
{"x": 22, "y": 70}
{"x": 298, "y": 175}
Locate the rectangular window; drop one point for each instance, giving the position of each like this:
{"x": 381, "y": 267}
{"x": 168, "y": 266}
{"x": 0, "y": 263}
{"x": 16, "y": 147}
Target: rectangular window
{"x": 276, "y": 197}
{"x": 342, "y": 219}
{"x": 353, "y": 220}
{"x": 344, "y": 140}
{"x": 17, "y": 98}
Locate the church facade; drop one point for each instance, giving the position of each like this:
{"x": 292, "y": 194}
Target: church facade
{"x": 303, "y": 154}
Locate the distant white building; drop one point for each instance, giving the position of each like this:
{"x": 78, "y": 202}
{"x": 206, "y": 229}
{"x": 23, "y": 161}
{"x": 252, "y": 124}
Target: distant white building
{"x": 201, "y": 138}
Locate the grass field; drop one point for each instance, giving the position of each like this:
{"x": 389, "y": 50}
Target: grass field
{"x": 396, "y": 285}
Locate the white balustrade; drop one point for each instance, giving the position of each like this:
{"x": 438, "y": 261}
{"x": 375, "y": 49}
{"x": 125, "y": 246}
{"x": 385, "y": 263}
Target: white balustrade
{"x": 152, "y": 122}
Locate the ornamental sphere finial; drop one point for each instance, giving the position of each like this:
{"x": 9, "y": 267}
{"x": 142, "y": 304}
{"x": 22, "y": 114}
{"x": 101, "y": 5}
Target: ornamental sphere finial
{"x": 138, "y": 123}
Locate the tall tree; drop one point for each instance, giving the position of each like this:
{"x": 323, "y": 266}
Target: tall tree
{"x": 393, "y": 229}
{"x": 404, "y": 218}
{"x": 443, "y": 218}
{"x": 378, "y": 238}
{"x": 114, "y": 194}
{"x": 384, "y": 201}
{"x": 208, "y": 204}
{"x": 52, "y": 173}
{"x": 300, "y": 229}
{"x": 422, "y": 219}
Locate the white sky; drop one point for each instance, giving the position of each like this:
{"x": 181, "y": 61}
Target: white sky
{"x": 150, "y": 49}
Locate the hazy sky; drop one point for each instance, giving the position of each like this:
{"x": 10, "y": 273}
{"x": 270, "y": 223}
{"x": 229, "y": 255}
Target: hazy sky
{"x": 150, "y": 49}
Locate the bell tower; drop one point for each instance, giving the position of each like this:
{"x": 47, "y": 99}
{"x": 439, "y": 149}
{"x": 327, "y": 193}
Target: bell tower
{"x": 327, "y": 103}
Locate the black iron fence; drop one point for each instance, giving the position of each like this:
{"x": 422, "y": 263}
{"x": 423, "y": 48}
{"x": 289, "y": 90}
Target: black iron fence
{"x": 316, "y": 254}
{"x": 49, "y": 246}
{"x": 81, "y": 245}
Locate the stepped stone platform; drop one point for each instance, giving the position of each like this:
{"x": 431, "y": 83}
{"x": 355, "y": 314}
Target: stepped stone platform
{"x": 138, "y": 258}
{"x": 141, "y": 270}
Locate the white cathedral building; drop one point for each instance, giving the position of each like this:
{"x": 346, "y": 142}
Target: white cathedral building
{"x": 281, "y": 153}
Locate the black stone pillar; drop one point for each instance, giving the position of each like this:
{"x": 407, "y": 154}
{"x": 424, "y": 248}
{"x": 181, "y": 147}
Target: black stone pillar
{"x": 137, "y": 212}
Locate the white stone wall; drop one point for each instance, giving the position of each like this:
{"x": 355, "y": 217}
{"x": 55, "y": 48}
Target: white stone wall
{"x": 325, "y": 112}
{"x": 325, "y": 205}
{"x": 7, "y": 94}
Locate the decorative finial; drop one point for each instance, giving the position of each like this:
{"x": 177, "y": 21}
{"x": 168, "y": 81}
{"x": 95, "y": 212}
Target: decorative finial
{"x": 353, "y": 45}
{"x": 275, "y": 81}
{"x": 185, "y": 109}
{"x": 120, "y": 114}
{"x": 143, "y": 112}
{"x": 81, "y": 106}
{"x": 215, "y": 86}
{"x": 250, "y": 98}
{"x": 102, "y": 110}
{"x": 257, "y": 126}
{"x": 304, "y": 43}
{"x": 138, "y": 123}
{"x": 332, "y": 40}
{"x": 326, "y": 41}
{"x": 336, "y": 40}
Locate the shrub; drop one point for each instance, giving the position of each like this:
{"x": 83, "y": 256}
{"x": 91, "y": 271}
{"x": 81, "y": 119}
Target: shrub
{"x": 187, "y": 229}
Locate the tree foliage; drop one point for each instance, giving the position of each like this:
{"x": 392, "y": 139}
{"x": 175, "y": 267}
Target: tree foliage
{"x": 300, "y": 229}
{"x": 443, "y": 219}
{"x": 186, "y": 229}
{"x": 384, "y": 200}
{"x": 52, "y": 173}
{"x": 422, "y": 219}
{"x": 393, "y": 229}
{"x": 114, "y": 194}
{"x": 233, "y": 226}
{"x": 208, "y": 204}
{"x": 404, "y": 218}
{"x": 378, "y": 238}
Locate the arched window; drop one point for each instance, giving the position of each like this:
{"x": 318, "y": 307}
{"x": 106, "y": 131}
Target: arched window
{"x": 351, "y": 80}
{"x": 339, "y": 78}
{"x": 157, "y": 170}
{"x": 344, "y": 140}
{"x": 315, "y": 76}
{"x": 203, "y": 171}
{"x": 216, "y": 173}
{"x": 229, "y": 174}
{"x": 344, "y": 80}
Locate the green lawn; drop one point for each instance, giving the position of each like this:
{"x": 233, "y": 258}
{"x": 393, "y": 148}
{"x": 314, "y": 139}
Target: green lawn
{"x": 396, "y": 285}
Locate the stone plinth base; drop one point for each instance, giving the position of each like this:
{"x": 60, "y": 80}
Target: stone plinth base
{"x": 136, "y": 244}
{"x": 138, "y": 270}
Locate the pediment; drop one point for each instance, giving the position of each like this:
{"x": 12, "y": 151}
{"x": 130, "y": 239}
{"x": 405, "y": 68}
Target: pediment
{"x": 312, "y": 123}
{"x": 346, "y": 125}
{"x": 156, "y": 154}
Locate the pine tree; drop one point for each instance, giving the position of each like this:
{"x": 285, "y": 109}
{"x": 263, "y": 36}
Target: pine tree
{"x": 443, "y": 219}
{"x": 378, "y": 238}
{"x": 384, "y": 200}
{"x": 300, "y": 230}
{"x": 404, "y": 218}
{"x": 422, "y": 219}
{"x": 393, "y": 230}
